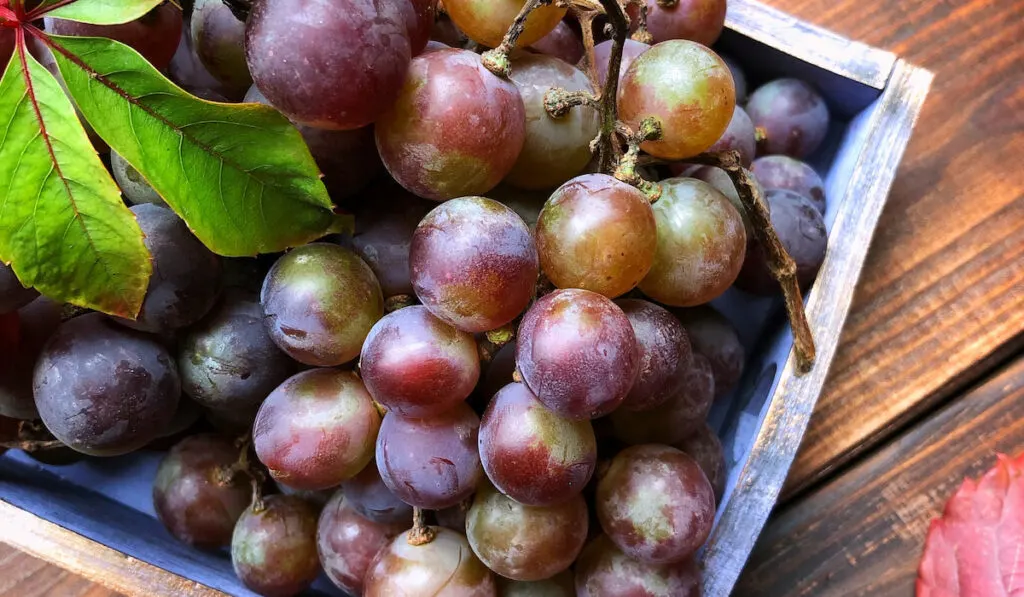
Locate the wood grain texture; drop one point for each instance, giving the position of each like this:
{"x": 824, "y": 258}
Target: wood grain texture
{"x": 25, "y": 576}
{"x": 862, "y": 534}
{"x": 942, "y": 288}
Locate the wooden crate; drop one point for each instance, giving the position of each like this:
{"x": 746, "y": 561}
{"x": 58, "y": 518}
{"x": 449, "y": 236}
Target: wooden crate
{"x": 96, "y": 518}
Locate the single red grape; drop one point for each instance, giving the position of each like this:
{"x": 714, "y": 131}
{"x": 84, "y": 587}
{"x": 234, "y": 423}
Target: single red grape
{"x": 701, "y": 243}
{"x": 299, "y": 50}
{"x": 474, "y": 263}
{"x": 562, "y": 43}
{"x": 454, "y": 130}
{"x": 430, "y": 463}
{"x": 704, "y": 446}
{"x": 319, "y": 303}
{"x": 701, "y": 21}
{"x": 445, "y": 567}
{"x": 664, "y": 350}
{"x": 273, "y": 548}
{"x": 604, "y": 571}
{"x": 535, "y": 455}
{"x": 687, "y": 88}
{"x": 555, "y": 149}
{"x": 631, "y": 50}
{"x": 792, "y": 115}
{"x": 719, "y": 179}
{"x": 801, "y": 229}
{"x": 417, "y": 365}
{"x": 155, "y": 35}
{"x": 487, "y": 22}
{"x": 348, "y": 543}
{"x": 577, "y": 352}
{"x": 678, "y": 416}
{"x": 525, "y": 542}
{"x": 597, "y": 233}
{"x": 194, "y": 497}
{"x": 790, "y": 174}
{"x": 738, "y": 136}
{"x": 713, "y": 336}
{"x": 372, "y": 499}
{"x": 316, "y": 429}
{"x": 655, "y": 504}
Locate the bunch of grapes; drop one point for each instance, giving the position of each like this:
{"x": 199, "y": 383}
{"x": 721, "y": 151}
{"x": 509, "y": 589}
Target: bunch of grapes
{"x": 499, "y": 383}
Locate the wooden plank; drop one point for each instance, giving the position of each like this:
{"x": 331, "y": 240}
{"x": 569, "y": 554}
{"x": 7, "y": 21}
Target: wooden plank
{"x": 25, "y": 576}
{"x": 94, "y": 561}
{"x": 862, "y": 534}
{"x": 753, "y": 493}
{"x": 942, "y": 288}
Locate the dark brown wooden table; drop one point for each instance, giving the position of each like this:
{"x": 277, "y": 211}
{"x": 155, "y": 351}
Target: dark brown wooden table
{"x": 929, "y": 381}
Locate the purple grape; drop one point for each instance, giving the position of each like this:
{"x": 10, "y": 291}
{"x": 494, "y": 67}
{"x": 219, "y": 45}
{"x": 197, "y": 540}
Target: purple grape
{"x": 555, "y": 149}
{"x": 155, "y": 35}
{"x": 273, "y": 549}
{"x": 499, "y": 372}
{"x": 739, "y": 78}
{"x": 738, "y": 136}
{"x": 577, "y": 352}
{"x": 186, "y": 275}
{"x": 445, "y": 567}
{"x": 474, "y": 263}
{"x": 430, "y": 463}
{"x": 562, "y": 42}
{"x": 792, "y": 115}
{"x": 675, "y": 418}
{"x": 655, "y": 504}
{"x": 316, "y": 429}
{"x": 348, "y": 543}
{"x": 219, "y": 40}
{"x": 385, "y": 223}
{"x": 228, "y": 360}
{"x": 704, "y": 446}
{"x": 701, "y": 21}
{"x": 604, "y": 571}
{"x": 31, "y": 326}
{"x": 13, "y": 295}
{"x": 713, "y": 336}
{"x": 372, "y": 499}
{"x": 454, "y": 518}
{"x": 525, "y": 542}
{"x": 534, "y": 455}
{"x": 631, "y": 50}
{"x": 784, "y": 172}
{"x": 193, "y": 496}
{"x": 297, "y": 52}
{"x": 103, "y": 389}
{"x": 417, "y": 365}
{"x": 664, "y": 352}
{"x": 802, "y": 231}
{"x": 348, "y": 159}
{"x": 319, "y": 303}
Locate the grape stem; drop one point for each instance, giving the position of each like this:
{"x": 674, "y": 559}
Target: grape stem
{"x": 28, "y": 445}
{"x": 782, "y": 266}
{"x": 496, "y": 60}
{"x": 641, "y": 34}
{"x": 495, "y": 339}
{"x": 421, "y": 533}
{"x": 650, "y": 129}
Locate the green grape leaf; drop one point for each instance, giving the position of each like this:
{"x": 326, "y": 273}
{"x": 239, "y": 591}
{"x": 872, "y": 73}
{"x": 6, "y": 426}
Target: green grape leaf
{"x": 99, "y": 12}
{"x": 63, "y": 225}
{"x": 240, "y": 175}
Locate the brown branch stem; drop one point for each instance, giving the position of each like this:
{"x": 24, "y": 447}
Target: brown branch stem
{"x": 608, "y": 147}
{"x": 421, "y": 533}
{"x": 28, "y": 445}
{"x": 650, "y": 128}
{"x": 782, "y": 266}
{"x": 496, "y": 60}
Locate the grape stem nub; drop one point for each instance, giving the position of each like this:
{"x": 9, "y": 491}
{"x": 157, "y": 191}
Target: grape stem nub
{"x": 496, "y": 60}
{"x": 421, "y": 533}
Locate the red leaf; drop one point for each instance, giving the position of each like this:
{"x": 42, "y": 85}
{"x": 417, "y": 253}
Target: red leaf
{"x": 976, "y": 549}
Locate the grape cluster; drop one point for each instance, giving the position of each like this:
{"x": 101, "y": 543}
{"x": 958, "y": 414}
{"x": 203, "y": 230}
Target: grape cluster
{"x": 511, "y": 344}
